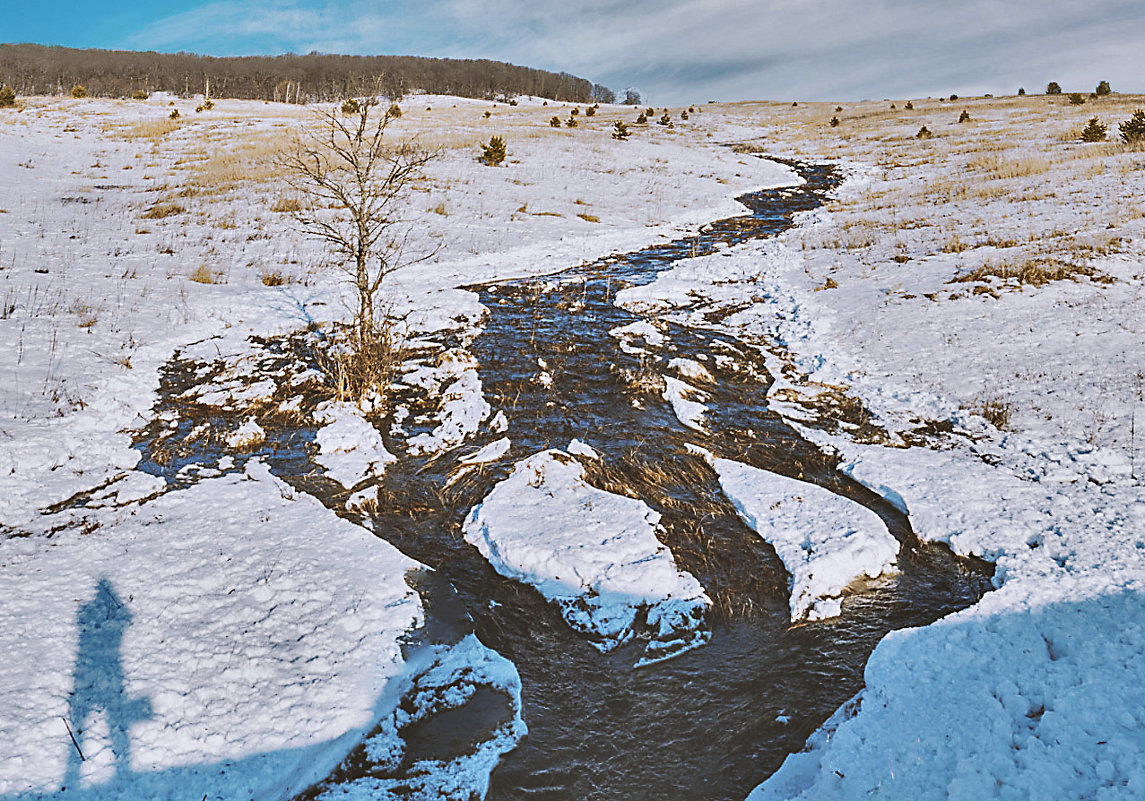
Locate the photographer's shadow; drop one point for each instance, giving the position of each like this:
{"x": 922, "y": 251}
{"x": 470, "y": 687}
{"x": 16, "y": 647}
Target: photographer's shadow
{"x": 98, "y": 686}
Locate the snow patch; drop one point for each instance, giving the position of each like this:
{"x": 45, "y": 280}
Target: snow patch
{"x": 349, "y": 446}
{"x": 826, "y": 542}
{"x": 593, "y": 553}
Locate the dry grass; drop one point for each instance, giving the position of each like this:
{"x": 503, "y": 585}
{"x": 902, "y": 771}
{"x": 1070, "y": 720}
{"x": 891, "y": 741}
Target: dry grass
{"x": 153, "y": 131}
{"x": 243, "y": 158}
{"x": 205, "y": 275}
{"x": 994, "y": 410}
{"x": 162, "y": 210}
{"x": 286, "y": 204}
{"x": 1036, "y": 271}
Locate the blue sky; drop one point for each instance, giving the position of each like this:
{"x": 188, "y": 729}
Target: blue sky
{"x": 673, "y": 51}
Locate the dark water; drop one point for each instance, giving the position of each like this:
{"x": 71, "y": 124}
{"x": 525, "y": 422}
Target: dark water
{"x": 711, "y": 723}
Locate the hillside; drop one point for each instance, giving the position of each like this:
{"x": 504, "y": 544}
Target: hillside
{"x": 33, "y": 69}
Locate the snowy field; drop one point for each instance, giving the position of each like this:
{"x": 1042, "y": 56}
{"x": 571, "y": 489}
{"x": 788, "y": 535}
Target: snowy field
{"x": 255, "y": 635}
{"x": 971, "y": 302}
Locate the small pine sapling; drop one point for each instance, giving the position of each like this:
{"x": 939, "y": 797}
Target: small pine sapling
{"x": 139, "y": 94}
{"x": 1053, "y": 88}
{"x": 666, "y": 119}
{"x": 493, "y": 153}
{"x": 834, "y": 122}
{"x": 1021, "y": 91}
{"x": 909, "y": 106}
{"x": 590, "y": 111}
{"x": 174, "y": 115}
{"x": 1133, "y": 129}
{"x": 620, "y": 131}
{"x": 1076, "y": 99}
{"x": 571, "y": 122}
{"x": 923, "y": 133}
{"x": 1102, "y": 89}
{"x": 79, "y": 91}
{"x": 964, "y": 116}
{"x": 394, "y": 111}
{"x": 555, "y": 122}
{"x": 1094, "y": 131}
{"x": 350, "y": 106}
{"x": 641, "y": 118}
{"x": 7, "y": 96}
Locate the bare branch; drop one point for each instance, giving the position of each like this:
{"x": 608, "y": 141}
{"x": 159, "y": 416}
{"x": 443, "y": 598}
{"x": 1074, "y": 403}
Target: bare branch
{"x": 354, "y": 181}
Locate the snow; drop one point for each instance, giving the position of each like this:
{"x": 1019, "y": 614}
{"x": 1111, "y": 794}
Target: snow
{"x": 1062, "y": 720}
{"x": 227, "y": 598}
{"x": 593, "y": 553}
{"x": 1052, "y": 495}
{"x": 451, "y": 679}
{"x": 490, "y": 453}
{"x": 349, "y": 446}
{"x": 638, "y": 330}
{"x": 248, "y": 435}
{"x": 97, "y": 298}
{"x": 825, "y": 541}
{"x": 1017, "y": 400}
{"x": 689, "y": 412}
{"x": 462, "y": 406}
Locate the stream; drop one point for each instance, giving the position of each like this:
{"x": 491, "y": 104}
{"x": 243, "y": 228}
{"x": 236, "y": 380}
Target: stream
{"x": 710, "y": 723}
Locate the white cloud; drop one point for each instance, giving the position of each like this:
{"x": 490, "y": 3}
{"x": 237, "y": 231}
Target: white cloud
{"x": 687, "y": 51}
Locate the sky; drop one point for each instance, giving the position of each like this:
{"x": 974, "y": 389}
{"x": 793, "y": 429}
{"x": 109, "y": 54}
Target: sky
{"x": 672, "y": 51}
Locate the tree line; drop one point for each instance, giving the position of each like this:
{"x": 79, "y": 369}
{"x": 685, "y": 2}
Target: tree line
{"x": 42, "y": 70}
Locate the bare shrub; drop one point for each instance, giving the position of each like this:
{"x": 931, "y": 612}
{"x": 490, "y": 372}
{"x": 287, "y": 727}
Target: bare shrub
{"x": 355, "y": 181}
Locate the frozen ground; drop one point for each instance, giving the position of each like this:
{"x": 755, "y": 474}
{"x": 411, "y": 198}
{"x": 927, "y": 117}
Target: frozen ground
{"x": 976, "y": 296}
{"x": 249, "y": 637}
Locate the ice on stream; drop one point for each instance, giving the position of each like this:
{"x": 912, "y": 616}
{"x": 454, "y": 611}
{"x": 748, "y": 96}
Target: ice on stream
{"x": 453, "y": 677}
{"x": 593, "y": 553}
{"x": 826, "y": 542}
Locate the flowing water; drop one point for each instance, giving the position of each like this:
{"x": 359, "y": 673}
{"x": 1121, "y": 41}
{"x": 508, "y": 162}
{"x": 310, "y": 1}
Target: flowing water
{"x": 710, "y": 723}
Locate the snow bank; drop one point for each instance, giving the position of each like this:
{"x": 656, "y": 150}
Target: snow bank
{"x": 1059, "y": 713}
{"x": 825, "y": 541}
{"x": 593, "y": 553}
{"x": 232, "y": 639}
{"x": 689, "y": 412}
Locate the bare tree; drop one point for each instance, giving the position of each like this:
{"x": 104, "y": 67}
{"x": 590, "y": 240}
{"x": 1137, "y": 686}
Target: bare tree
{"x": 354, "y": 181}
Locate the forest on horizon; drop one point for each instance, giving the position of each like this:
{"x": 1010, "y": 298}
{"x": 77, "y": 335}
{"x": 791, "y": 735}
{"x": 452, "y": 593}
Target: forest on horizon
{"x": 33, "y": 69}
